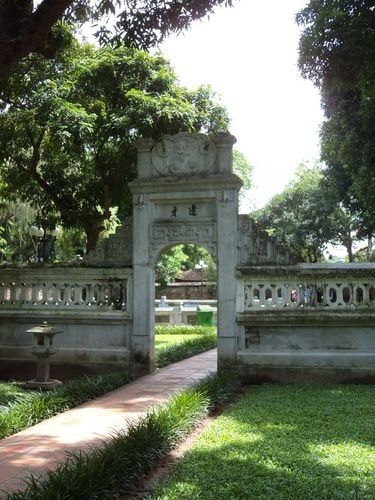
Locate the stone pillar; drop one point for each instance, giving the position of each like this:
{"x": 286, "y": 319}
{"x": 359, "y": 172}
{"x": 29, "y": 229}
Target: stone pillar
{"x": 143, "y": 355}
{"x": 226, "y": 276}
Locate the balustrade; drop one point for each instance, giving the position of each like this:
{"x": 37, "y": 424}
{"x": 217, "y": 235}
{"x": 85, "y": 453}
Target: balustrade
{"x": 313, "y": 289}
{"x": 69, "y": 293}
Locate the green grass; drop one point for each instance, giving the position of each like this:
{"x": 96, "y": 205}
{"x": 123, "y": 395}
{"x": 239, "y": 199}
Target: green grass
{"x": 284, "y": 442}
{"x": 117, "y": 465}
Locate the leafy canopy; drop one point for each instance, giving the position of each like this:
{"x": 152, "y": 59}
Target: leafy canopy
{"x": 337, "y": 52}
{"x": 68, "y": 127}
{"x": 305, "y": 217}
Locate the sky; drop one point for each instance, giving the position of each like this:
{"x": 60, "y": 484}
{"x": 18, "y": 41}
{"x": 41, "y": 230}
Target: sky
{"x": 248, "y": 54}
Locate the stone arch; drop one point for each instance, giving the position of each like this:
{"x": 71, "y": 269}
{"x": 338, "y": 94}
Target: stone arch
{"x": 185, "y": 192}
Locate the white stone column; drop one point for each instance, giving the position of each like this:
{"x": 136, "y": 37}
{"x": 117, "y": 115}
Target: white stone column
{"x": 143, "y": 288}
{"x": 227, "y": 206}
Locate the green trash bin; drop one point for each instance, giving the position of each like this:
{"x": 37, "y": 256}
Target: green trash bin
{"x": 205, "y": 316}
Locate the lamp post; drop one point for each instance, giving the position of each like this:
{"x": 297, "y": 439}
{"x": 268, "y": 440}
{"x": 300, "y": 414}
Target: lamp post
{"x": 200, "y": 267}
{"x": 43, "y": 242}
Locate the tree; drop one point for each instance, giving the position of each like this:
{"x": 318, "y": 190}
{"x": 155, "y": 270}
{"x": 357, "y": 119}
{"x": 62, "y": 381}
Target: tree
{"x": 68, "y": 128}
{"x": 180, "y": 258}
{"x": 244, "y": 170}
{"x": 337, "y": 51}
{"x": 170, "y": 265}
{"x": 305, "y": 217}
{"x": 26, "y": 28}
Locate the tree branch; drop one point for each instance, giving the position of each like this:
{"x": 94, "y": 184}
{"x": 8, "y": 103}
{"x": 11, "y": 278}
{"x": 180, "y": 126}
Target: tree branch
{"x": 34, "y": 33}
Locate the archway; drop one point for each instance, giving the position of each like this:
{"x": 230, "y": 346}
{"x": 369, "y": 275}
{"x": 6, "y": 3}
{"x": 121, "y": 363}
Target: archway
{"x": 185, "y": 193}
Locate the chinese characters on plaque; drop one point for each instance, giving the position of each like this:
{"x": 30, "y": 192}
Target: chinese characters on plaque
{"x": 191, "y": 210}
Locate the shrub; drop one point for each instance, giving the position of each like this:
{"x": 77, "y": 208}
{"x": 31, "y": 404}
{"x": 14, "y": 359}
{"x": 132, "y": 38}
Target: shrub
{"x": 166, "y": 329}
{"x": 30, "y": 408}
{"x": 177, "y": 352}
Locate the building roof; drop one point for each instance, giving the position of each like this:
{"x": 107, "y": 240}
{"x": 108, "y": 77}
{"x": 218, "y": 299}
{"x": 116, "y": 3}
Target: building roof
{"x": 192, "y": 275}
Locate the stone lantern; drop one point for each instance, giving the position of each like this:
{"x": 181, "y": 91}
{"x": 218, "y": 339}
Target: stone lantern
{"x": 43, "y": 349}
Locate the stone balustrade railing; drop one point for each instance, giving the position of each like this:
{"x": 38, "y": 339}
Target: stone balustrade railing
{"x": 78, "y": 288}
{"x": 311, "y": 286}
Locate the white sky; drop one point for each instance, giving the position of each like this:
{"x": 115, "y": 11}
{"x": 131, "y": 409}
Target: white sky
{"x": 248, "y": 54}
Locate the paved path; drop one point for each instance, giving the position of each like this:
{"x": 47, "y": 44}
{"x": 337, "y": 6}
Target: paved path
{"x": 44, "y": 446}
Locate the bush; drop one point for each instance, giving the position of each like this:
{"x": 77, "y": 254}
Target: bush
{"x": 117, "y": 466}
{"x": 166, "y": 329}
{"x": 30, "y": 408}
{"x": 183, "y": 350}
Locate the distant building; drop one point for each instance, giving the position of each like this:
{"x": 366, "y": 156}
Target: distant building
{"x": 188, "y": 286}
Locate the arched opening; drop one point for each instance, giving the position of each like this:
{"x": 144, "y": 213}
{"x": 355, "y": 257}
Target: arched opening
{"x": 185, "y": 300}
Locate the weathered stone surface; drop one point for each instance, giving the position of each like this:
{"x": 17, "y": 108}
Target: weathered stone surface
{"x": 115, "y": 251}
{"x": 185, "y": 155}
{"x": 255, "y": 246}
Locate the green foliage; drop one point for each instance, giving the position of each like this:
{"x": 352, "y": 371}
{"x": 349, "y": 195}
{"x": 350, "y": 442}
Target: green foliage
{"x": 180, "y": 258}
{"x": 196, "y": 254}
{"x": 9, "y": 393}
{"x": 170, "y": 265}
{"x": 244, "y": 170}
{"x": 185, "y": 349}
{"x": 283, "y": 442}
{"x": 22, "y": 409}
{"x": 69, "y": 243}
{"x": 15, "y": 219}
{"x": 117, "y": 466}
{"x": 337, "y": 50}
{"x": 306, "y": 216}
{"x": 68, "y": 128}
{"x": 166, "y": 329}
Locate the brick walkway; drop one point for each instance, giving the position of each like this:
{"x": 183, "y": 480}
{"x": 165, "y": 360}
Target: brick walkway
{"x": 44, "y": 446}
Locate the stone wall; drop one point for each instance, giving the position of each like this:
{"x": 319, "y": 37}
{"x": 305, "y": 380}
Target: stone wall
{"x": 306, "y": 323}
{"x": 92, "y": 307}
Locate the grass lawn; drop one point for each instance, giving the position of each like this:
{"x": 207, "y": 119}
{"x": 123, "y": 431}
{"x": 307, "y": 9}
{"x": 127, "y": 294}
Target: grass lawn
{"x": 284, "y": 442}
{"x": 165, "y": 340}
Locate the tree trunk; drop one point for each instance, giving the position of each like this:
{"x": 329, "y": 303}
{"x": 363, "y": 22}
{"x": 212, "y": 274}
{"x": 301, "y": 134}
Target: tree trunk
{"x": 92, "y": 228}
{"x": 349, "y": 248}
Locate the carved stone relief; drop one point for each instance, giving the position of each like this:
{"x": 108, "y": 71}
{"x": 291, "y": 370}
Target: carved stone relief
{"x": 184, "y": 154}
{"x": 163, "y": 235}
{"x": 255, "y": 246}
